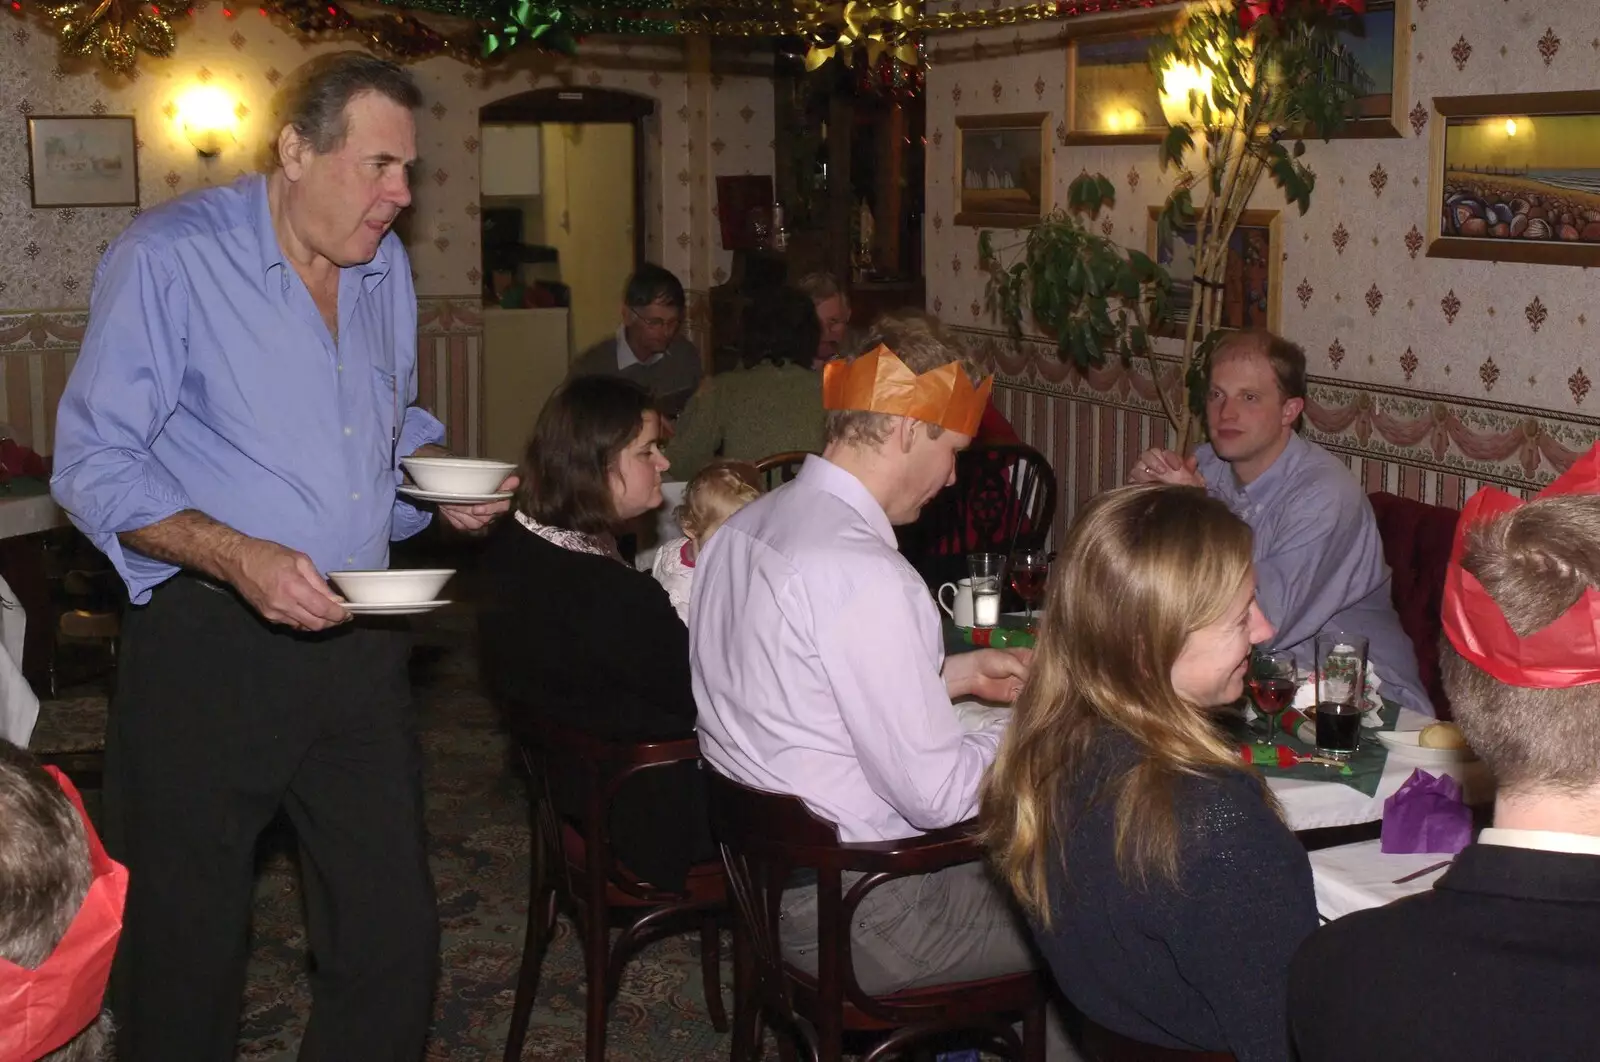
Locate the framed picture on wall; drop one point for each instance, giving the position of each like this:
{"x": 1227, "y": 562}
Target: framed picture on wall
{"x": 1002, "y": 169}
{"x": 1374, "y": 54}
{"x": 83, "y": 160}
{"x": 1251, "y": 284}
{"x": 1113, "y": 97}
{"x": 1516, "y": 178}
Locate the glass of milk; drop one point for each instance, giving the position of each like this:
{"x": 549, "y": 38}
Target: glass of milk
{"x": 988, "y": 572}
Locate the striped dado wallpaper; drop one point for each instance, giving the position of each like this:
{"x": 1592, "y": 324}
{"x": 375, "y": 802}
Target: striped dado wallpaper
{"x": 1434, "y": 448}
{"x": 38, "y": 348}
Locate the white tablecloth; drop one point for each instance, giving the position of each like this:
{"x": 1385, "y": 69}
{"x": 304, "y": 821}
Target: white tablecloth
{"x": 1353, "y": 877}
{"x": 24, "y": 516}
{"x": 1310, "y": 804}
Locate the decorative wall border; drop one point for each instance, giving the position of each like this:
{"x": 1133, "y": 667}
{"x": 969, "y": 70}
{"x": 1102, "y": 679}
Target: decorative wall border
{"x": 1521, "y": 447}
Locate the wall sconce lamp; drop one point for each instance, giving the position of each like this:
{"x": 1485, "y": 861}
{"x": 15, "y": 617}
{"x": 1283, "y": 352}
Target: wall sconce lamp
{"x": 205, "y": 113}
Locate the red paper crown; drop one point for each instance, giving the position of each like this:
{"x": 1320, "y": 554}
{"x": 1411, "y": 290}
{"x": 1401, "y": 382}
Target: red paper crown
{"x": 879, "y": 382}
{"x": 1563, "y": 654}
{"x": 45, "y": 1007}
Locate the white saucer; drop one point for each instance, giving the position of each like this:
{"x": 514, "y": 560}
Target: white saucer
{"x": 453, "y": 499}
{"x": 1403, "y": 743}
{"x": 404, "y": 608}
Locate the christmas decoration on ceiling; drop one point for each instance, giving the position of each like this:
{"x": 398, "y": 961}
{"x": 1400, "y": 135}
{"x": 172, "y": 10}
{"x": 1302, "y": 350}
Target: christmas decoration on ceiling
{"x": 883, "y": 39}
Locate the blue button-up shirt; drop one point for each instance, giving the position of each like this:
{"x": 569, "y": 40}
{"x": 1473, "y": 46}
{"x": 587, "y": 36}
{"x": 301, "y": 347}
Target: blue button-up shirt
{"x": 1319, "y": 560}
{"x": 208, "y": 380}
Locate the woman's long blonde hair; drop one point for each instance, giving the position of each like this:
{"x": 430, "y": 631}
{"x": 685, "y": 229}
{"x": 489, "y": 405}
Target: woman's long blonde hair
{"x": 1142, "y": 568}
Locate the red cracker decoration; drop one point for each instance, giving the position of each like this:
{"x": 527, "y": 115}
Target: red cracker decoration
{"x": 47, "y": 1006}
{"x": 1564, "y": 654}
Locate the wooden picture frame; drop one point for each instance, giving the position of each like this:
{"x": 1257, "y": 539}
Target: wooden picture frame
{"x": 1007, "y": 159}
{"x": 1124, "y": 106}
{"x": 83, "y": 160}
{"x": 1253, "y": 284}
{"x": 1516, "y": 178}
{"x": 1384, "y": 49}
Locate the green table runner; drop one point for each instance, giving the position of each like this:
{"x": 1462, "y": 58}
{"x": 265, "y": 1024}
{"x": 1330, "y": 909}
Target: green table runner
{"x": 955, "y": 638}
{"x": 1365, "y": 768}
{"x": 24, "y": 487}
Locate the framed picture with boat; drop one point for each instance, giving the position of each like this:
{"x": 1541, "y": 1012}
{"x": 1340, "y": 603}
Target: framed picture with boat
{"x": 1002, "y": 169}
{"x": 1516, "y": 178}
{"x": 1373, "y": 54}
{"x": 83, "y": 161}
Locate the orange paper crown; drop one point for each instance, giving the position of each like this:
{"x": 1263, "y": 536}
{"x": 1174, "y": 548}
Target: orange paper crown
{"x": 879, "y": 382}
{"x": 43, "y": 1008}
{"x": 1565, "y": 653}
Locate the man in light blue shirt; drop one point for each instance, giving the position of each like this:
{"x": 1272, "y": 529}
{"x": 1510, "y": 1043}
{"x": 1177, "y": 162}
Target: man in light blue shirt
{"x": 1318, "y": 557}
{"x": 231, "y": 432}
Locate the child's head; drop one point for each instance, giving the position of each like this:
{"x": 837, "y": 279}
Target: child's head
{"x": 715, "y": 493}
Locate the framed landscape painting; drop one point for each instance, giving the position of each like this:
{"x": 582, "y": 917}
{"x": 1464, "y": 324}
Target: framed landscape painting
{"x": 1113, "y": 97}
{"x": 1516, "y": 178}
{"x": 1250, "y": 285}
{"x": 83, "y": 160}
{"x": 1002, "y": 169}
{"x": 1374, "y": 56}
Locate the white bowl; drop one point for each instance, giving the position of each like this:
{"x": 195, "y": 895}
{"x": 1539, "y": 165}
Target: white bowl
{"x": 1403, "y": 743}
{"x": 396, "y": 586}
{"x": 457, "y": 475}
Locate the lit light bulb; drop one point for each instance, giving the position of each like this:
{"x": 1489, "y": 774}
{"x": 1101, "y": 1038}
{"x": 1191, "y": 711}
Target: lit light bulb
{"x": 1177, "y": 81}
{"x": 1511, "y": 127}
{"x": 206, "y": 114}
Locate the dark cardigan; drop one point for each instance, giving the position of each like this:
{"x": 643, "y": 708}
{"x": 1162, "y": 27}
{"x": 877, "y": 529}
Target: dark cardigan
{"x": 1200, "y": 967}
{"x": 588, "y": 641}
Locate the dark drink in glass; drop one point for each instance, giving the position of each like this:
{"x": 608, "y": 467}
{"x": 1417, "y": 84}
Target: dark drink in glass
{"x": 1338, "y": 729}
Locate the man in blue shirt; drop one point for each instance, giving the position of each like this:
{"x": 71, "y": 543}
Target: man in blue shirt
{"x": 230, "y": 433}
{"x": 1318, "y": 558}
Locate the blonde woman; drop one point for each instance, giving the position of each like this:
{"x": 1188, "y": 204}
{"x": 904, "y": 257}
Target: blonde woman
{"x": 1161, "y": 885}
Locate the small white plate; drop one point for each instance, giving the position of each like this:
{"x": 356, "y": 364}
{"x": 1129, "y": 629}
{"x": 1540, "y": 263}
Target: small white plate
{"x": 1403, "y": 743}
{"x": 405, "y": 608}
{"x": 453, "y": 499}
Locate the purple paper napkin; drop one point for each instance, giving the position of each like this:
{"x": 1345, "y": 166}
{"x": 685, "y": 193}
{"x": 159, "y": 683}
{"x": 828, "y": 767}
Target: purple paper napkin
{"x": 1426, "y": 815}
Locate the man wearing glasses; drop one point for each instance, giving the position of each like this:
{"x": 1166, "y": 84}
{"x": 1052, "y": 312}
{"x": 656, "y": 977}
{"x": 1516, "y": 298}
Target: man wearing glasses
{"x": 647, "y": 347}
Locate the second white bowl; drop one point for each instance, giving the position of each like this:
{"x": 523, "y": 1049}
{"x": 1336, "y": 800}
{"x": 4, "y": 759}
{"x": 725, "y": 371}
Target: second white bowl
{"x": 394, "y": 586}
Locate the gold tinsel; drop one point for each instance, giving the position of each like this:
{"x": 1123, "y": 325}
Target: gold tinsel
{"x": 118, "y": 29}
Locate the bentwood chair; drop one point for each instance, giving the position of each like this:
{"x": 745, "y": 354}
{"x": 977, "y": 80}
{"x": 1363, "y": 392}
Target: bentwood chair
{"x": 575, "y": 869}
{"x": 765, "y": 838}
{"x": 1004, "y": 498}
{"x": 778, "y": 469}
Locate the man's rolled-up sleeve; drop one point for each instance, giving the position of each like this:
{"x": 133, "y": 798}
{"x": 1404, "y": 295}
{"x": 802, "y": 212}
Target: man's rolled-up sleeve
{"x": 914, "y": 751}
{"x": 123, "y": 388}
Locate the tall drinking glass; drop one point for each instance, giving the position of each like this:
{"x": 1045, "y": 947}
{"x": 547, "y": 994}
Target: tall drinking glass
{"x": 987, "y": 570}
{"x": 1341, "y": 663}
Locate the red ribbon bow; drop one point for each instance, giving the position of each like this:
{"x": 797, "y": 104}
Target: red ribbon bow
{"x": 1251, "y": 10}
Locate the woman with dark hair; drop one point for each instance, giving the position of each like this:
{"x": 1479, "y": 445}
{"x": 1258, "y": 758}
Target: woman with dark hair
{"x": 772, "y": 405}
{"x": 1162, "y": 886}
{"x": 572, "y": 633}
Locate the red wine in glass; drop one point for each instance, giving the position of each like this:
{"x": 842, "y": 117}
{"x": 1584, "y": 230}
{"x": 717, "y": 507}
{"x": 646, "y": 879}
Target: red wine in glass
{"x": 1272, "y": 695}
{"x": 1272, "y": 685}
{"x": 1029, "y": 568}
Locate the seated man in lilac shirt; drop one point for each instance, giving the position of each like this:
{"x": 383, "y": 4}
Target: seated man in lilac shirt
{"x": 1319, "y": 560}
{"x": 819, "y": 671}
{"x": 231, "y": 433}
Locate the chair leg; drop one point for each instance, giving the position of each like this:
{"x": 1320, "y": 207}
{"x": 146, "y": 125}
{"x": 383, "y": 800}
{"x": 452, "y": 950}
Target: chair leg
{"x": 711, "y": 971}
{"x": 541, "y": 921}
{"x": 1033, "y": 1033}
{"x": 596, "y": 961}
{"x": 747, "y": 1031}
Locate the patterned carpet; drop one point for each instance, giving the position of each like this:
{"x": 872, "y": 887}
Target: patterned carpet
{"x": 477, "y": 819}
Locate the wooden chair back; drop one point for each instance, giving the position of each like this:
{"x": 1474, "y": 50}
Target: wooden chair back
{"x": 778, "y": 469}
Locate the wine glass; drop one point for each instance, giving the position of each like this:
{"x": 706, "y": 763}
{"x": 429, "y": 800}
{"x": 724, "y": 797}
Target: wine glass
{"x": 1273, "y": 678}
{"x": 1028, "y": 570}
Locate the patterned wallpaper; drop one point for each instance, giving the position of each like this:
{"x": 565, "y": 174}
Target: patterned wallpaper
{"x": 1459, "y": 368}
{"x": 47, "y": 257}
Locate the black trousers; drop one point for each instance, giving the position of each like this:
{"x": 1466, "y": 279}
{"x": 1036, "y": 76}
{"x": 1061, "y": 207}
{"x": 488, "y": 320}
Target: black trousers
{"x": 220, "y": 719}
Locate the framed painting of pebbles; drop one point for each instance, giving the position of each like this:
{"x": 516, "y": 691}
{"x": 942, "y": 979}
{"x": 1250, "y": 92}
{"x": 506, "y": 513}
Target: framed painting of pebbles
{"x": 1516, "y": 178}
{"x": 1113, "y": 97}
{"x": 1251, "y": 281}
{"x": 1002, "y": 169}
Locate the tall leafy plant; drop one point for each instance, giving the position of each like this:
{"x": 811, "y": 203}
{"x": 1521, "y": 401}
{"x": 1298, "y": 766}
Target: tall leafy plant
{"x": 1259, "y": 76}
